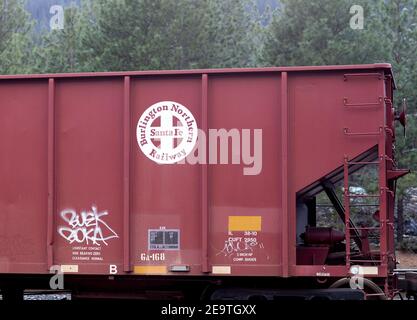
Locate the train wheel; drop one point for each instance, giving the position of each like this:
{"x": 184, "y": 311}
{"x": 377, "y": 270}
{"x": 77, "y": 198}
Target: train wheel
{"x": 371, "y": 290}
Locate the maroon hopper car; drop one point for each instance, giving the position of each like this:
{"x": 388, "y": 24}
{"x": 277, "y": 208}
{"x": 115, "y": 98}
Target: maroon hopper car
{"x": 199, "y": 182}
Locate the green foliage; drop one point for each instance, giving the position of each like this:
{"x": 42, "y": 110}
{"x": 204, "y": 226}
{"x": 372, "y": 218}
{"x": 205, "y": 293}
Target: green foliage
{"x": 401, "y": 29}
{"x": 15, "y": 38}
{"x": 318, "y": 33}
{"x": 229, "y": 35}
{"x": 61, "y": 50}
{"x": 162, "y": 34}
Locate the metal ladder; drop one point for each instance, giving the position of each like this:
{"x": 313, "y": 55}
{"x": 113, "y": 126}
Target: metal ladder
{"x": 347, "y": 196}
{"x": 384, "y": 192}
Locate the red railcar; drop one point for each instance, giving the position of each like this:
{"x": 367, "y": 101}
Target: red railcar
{"x": 199, "y": 176}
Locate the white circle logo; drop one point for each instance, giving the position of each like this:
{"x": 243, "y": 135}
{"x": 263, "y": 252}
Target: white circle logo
{"x": 166, "y": 132}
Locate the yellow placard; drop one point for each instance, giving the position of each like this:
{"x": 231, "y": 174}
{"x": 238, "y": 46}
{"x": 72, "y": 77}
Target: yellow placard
{"x": 245, "y": 223}
{"x": 150, "y": 269}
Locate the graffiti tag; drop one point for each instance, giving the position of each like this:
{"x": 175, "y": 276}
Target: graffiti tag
{"x": 86, "y": 227}
{"x": 238, "y": 244}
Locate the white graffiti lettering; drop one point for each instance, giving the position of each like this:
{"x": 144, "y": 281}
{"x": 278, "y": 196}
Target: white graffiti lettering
{"x": 238, "y": 244}
{"x": 86, "y": 227}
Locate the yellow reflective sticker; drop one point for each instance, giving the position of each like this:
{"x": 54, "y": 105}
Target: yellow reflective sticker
{"x": 245, "y": 223}
{"x": 150, "y": 269}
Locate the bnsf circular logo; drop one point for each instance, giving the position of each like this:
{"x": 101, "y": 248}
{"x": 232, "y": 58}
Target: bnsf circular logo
{"x": 166, "y": 132}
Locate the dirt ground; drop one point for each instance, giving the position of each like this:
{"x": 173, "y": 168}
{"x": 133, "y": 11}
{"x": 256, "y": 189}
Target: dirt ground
{"x": 406, "y": 259}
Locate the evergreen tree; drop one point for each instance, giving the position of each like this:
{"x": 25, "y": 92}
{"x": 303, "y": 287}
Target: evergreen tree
{"x": 401, "y": 28}
{"x": 163, "y": 34}
{"x": 62, "y": 50}
{"x": 230, "y": 35}
{"x": 318, "y": 32}
{"x": 15, "y": 38}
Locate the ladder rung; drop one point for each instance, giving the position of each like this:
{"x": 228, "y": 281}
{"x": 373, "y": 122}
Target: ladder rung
{"x": 366, "y": 261}
{"x": 363, "y": 162}
{"x": 368, "y": 74}
{"x": 362, "y": 104}
{"x": 352, "y": 195}
{"x": 322, "y": 205}
{"x": 348, "y": 133}
{"x": 364, "y": 228}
